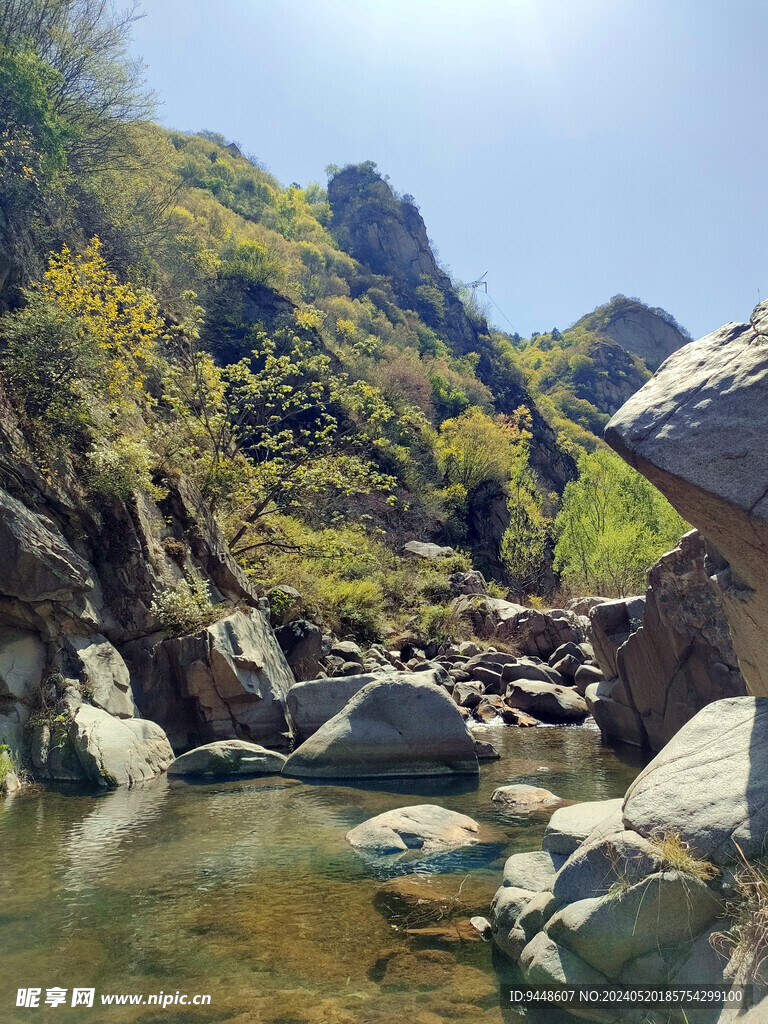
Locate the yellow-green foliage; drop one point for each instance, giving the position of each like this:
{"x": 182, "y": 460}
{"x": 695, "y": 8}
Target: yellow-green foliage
{"x": 474, "y": 448}
{"x": 613, "y": 525}
{"x": 677, "y": 853}
{"x": 7, "y": 763}
{"x": 352, "y": 582}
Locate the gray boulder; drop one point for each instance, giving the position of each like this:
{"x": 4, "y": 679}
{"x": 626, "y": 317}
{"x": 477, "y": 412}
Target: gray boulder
{"x": 569, "y": 827}
{"x": 697, "y": 430}
{"x": 392, "y": 727}
{"x": 611, "y": 623}
{"x": 424, "y": 549}
{"x": 507, "y": 906}
{"x": 534, "y": 871}
{"x": 662, "y": 910}
{"x": 708, "y": 783}
{"x": 22, "y": 660}
{"x": 425, "y": 827}
{"x": 228, "y": 757}
{"x": 117, "y": 752}
{"x": 597, "y": 866}
{"x": 544, "y": 962}
{"x": 524, "y": 797}
{"x": 314, "y": 702}
{"x": 547, "y": 701}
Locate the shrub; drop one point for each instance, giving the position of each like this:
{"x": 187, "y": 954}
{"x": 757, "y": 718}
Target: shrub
{"x": 441, "y": 623}
{"x": 121, "y": 466}
{"x": 185, "y": 608}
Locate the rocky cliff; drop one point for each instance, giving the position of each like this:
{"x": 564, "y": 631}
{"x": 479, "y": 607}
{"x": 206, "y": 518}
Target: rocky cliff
{"x": 697, "y": 430}
{"x": 652, "y": 334}
{"x": 388, "y": 235}
{"x": 667, "y": 656}
{"x": 80, "y": 578}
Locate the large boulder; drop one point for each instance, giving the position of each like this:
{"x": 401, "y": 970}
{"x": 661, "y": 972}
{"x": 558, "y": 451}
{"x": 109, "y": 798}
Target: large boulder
{"x": 117, "y": 752}
{"x": 312, "y": 703}
{"x": 697, "y": 430}
{"x": 424, "y": 549}
{"x": 663, "y": 909}
{"x": 397, "y": 726}
{"x": 569, "y": 826}
{"x": 228, "y": 757}
{"x": 228, "y": 680}
{"x": 547, "y": 701}
{"x": 676, "y": 658}
{"x": 425, "y": 827}
{"x": 708, "y": 784}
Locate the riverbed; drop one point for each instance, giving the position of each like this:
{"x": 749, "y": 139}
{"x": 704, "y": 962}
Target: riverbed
{"x": 247, "y": 891}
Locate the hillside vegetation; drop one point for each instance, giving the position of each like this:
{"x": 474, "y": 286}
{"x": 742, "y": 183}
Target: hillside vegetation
{"x": 296, "y": 353}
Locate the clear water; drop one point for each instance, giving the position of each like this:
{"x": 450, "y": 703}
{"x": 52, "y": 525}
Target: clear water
{"x": 247, "y": 890}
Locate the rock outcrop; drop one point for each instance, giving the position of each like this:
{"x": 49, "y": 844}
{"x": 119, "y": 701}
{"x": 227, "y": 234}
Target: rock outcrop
{"x": 396, "y": 726}
{"x": 228, "y": 680}
{"x": 697, "y": 430}
{"x": 666, "y": 657}
{"x": 606, "y": 907}
{"x": 533, "y": 632}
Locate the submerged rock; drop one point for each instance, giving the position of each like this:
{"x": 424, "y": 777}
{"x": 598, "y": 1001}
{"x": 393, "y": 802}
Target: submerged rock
{"x": 524, "y": 797}
{"x": 394, "y": 726}
{"x": 228, "y": 757}
{"x": 425, "y": 827}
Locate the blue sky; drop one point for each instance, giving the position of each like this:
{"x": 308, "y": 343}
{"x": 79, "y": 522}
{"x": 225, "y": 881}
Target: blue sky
{"x": 571, "y": 148}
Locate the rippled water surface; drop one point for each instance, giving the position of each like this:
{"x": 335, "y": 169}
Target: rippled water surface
{"x": 247, "y": 891}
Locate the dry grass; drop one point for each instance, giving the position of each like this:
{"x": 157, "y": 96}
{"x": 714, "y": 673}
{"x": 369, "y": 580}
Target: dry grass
{"x": 676, "y": 853}
{"x": 746, "y": 941}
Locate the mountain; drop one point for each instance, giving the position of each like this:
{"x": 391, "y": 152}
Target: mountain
{"x": 651, "y": 333}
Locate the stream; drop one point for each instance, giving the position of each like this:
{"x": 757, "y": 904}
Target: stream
{"x": 247, "y": 891}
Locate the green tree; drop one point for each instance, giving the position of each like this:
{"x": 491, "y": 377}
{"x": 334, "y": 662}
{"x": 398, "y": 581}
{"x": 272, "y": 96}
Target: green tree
{"x": 474, "y": 448}
{"x": 613, "y": 525}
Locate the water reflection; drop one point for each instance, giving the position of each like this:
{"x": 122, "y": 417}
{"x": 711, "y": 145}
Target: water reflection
{"x": 247, "y": 889}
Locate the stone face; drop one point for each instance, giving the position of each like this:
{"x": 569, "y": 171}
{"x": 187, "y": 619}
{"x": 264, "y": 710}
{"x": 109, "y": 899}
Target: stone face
{"x": 36, "y": 563}
{"x": 425, "y": 827}
{"x": 547, "y": 701}
{"x": 114, "y": 751}
{"x": 569, "y": 826}
{"x": 392, "y": 727}
{"x": 661, "y": 910}
{"x": 595, "y": 867}
{"x": 228, "y": 680}
{"x": 104, "y": 674}
{"x": 506, "y": 908}
{"x": 228, "y": 757}
{"x": 314, "y": 702}
{"x": 302, "y": 644}
{"x": 544, "y": 962}
{"x": 611, "y": 623}
{"x": 697, "y": 431}
{"x": 708, "y": 783}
